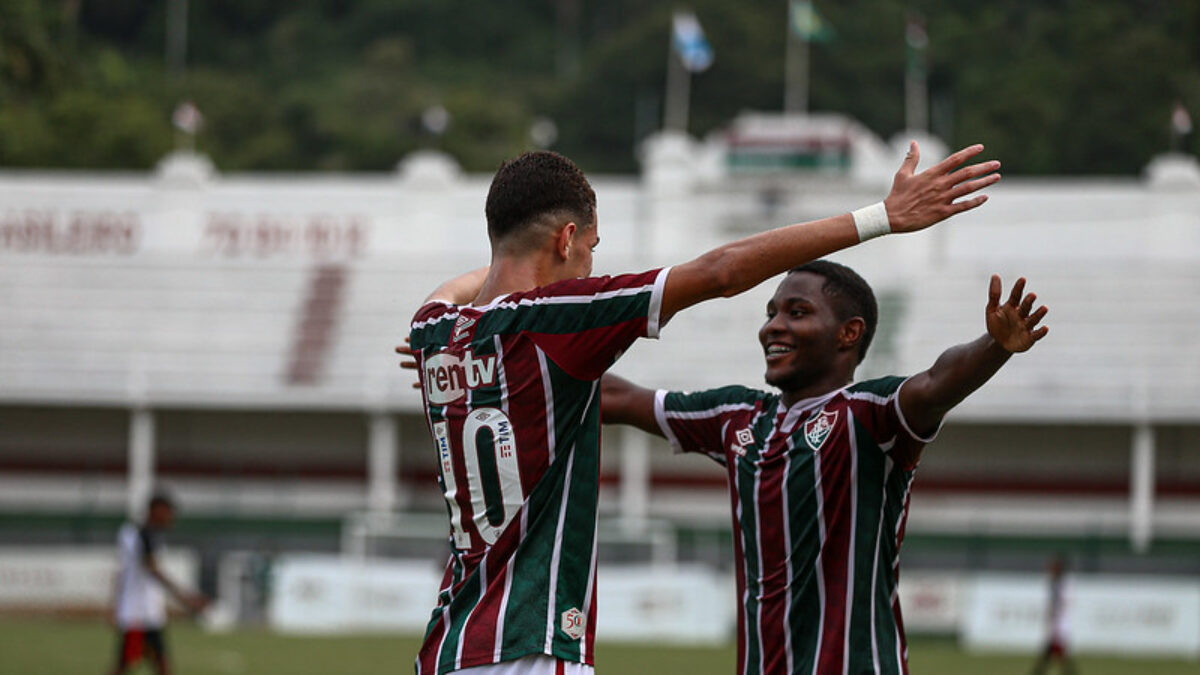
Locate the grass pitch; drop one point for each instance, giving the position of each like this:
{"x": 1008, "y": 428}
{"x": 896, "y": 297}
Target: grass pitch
{"x": 61, "y": 647}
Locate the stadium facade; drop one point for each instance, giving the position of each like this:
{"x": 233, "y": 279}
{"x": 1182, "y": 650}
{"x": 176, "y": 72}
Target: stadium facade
{"x": 231, "y": 336}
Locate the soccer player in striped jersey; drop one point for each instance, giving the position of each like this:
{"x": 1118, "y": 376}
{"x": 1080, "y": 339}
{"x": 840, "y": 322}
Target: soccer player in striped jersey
{"x": 510, "y": 359}
{"x": 819, "y": 474}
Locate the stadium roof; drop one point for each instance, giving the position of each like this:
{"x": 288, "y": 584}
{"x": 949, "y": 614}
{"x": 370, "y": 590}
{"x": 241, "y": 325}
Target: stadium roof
{"x": 189, "y": 288}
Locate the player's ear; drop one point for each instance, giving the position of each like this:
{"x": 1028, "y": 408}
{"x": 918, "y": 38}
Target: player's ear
{"x": 851, "y": 333}
{"x": 563, "y": 243}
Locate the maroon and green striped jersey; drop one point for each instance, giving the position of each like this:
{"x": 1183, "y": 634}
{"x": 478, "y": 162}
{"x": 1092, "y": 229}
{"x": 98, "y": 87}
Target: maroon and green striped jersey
{"x": 820, "y": 496}
{"x": 512, "y": 398}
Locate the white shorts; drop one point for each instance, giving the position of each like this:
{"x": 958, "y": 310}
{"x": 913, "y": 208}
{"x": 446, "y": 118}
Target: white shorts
{"x": 534, "y": 664}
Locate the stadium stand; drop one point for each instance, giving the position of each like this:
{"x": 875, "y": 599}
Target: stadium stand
{"x": 253, "y": 318}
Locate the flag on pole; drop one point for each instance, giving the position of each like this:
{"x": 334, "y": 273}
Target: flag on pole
{"x": 187, "y": 118}
{"x": 916, "y": 89}
{"x": 916, "y": 39}
{"x": 690, "y": 43}
{"x": 809, "y": 25}
{"x": 1181, "y": 121}
{"x": 1181, "y": 126}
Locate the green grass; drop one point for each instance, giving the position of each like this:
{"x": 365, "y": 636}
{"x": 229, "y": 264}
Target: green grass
{"x": 50, "y": 647}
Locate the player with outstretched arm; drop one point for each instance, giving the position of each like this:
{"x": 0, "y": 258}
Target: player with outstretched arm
{"x": 139, "y": 603}
{"x": 819, "y": 473}
{"x": 510, "y": 359}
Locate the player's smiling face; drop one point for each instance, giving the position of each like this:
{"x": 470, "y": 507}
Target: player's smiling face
{"x": 800, "y": 337}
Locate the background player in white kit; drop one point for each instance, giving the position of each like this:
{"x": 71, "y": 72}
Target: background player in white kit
{"x": 1058, "y": 621}
{"x": 140, "y": 607}
{"x": 510, "y": 360}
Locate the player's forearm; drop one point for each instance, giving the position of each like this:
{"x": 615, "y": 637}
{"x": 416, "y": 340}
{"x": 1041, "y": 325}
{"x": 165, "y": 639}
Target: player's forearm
{"x": 741, "y": 265}
{"x": 755, "y": 259}
{"x": 623, "y": 402}
{"x": 168, "y": 585}
{"x": 916, "y": 201}
{"x": 461, "y": 289}
{"x": 956, "y": 374}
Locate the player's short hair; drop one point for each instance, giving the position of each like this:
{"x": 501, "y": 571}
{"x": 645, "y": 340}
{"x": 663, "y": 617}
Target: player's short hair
{"x": 161, "y": 499}
{"x": 537, "y": 187}
{"x": 851, "y": 297}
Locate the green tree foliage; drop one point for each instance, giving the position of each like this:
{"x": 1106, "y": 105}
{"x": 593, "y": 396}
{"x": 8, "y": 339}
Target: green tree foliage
{"x": 1052, "y": 86}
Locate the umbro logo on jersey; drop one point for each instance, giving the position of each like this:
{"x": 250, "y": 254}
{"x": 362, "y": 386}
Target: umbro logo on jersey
{"x": 447, "y": 377}
{"x": 460, "y": 328}
{"x": 745, "y": 437}
{"x": 818, "y": 427}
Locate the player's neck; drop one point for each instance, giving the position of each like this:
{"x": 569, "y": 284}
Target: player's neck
{"x": 514, "y": 274}
{"x": 831, "y": 382}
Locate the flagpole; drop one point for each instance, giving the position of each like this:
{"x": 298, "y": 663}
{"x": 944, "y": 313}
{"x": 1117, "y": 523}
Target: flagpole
{"x": 795, "y": 75}
{"x": 916, "y": 90}
{"x": 176, "y": 43}
{"x": 1181, "y": 126}
{"x": 679, "y": 86}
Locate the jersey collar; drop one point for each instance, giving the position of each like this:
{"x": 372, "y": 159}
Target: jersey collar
{"x": 800, "y": 409}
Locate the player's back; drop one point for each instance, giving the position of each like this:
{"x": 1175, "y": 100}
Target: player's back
{"x": 512, "y": 399}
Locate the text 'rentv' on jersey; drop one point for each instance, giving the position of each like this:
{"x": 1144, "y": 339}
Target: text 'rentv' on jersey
{"x": 512, "y": 396}
{"x": 820, "y": 496}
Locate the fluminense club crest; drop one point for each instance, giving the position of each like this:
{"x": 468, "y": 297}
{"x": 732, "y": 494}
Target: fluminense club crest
{"x": 818, "y": 427}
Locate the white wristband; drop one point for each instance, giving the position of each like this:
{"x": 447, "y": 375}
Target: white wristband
{"x": 871, "y": 221}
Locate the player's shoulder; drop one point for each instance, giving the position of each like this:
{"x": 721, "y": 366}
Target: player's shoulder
{"x": 589, "y": 286}
{"x": 736, "y": 392}
{"x": 881, "y": 386}
{"x": 432, "y": 322}
{"x": 129, "y": 534}
{"x": 432, "y": 312}
{"x": 729, "y": 395}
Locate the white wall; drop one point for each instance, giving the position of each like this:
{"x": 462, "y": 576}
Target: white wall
{"x": 190, "y": 287}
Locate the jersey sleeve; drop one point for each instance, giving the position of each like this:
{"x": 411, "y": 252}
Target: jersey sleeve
{"x": 884, "y": 419}
{"x": 584, "y": 325}
{"x": 696, "y": 421}
{"x": 433, "y": 320}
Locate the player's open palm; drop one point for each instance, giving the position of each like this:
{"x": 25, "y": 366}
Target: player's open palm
{"x": 918, "y": 200}
{"x": 1014, "y": 323}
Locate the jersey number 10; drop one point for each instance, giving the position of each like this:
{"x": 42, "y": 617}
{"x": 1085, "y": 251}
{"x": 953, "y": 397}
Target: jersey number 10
{"x": 489, "y": 455}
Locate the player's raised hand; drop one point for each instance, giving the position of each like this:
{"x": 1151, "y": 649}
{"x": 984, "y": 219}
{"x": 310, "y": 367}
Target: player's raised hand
{"x": 918, "y": 200}
{"x": 409, "y": 360}
{"x": 1013, "y": 324}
